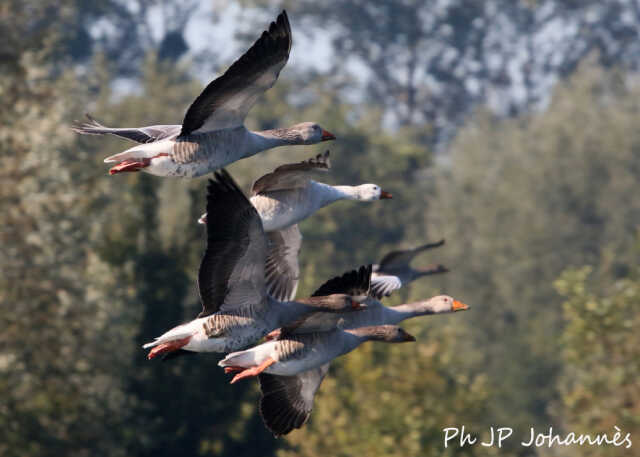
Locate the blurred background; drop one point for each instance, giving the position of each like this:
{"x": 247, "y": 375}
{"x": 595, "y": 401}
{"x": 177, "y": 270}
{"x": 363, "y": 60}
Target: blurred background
{"x": 509, "y": 128}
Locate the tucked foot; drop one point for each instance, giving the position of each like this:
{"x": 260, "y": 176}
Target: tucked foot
{"x": 130, "y": 165}
{"x": 254, "y": 371}
{"x": 273, "y": 335}
{"x": 169, "y": 346}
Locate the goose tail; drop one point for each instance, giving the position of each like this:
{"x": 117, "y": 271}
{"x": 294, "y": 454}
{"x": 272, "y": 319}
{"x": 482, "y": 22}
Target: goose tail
{"x": 142, "y": 151}
{"x": 238, "y": 359}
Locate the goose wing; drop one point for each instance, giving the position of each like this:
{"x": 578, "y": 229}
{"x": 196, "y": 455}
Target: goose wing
{"x": 356, "y": 283}
{"x": 402, "y": 258}
{"x": 225, "y": 102}
{"x": 383, "y": 285}
{"x": 292, "y": 175}
{"x": 282, "y": 269}
{"x": 232, "y": 271}
{"x": 138, "y": 134}
{"x": 287, "y": 401}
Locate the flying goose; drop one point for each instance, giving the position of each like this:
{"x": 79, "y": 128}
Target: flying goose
{"x": 236, "y": 309}
{"x": 212, "y": 133}
{"x": 283, "y": 198}
{"x": 291, "y": 369}
{"x": 287, "y": 401}
{"x": 394, "y": 270}
{"x": 359, "y": 283}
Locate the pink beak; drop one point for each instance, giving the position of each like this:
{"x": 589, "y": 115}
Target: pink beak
{"x": 326, "y": 136}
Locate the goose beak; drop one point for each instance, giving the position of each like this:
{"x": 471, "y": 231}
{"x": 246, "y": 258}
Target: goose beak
{"x": 203, "y": 219}
{"x": 356, "y": 304}
{"x": 409, "y": 337}
{"x": 326, "y": 136}
{"x": 459, "y": 306}
{"x": 385, "y": 195}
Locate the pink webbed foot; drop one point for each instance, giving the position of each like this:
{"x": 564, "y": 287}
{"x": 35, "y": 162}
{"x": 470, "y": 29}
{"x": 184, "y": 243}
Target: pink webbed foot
{"x": 274, "y": 335}
{"x": 130, "y": 165}
{"x": 169, "y": 346}
{"x": 254, "y": 371}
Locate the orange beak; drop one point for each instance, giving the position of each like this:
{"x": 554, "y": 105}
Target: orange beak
{"x": 459, "y": 306}
{"x": 385, "y": 195}
{"x": 355, "y": 304}
{"x": 326, "y": 136}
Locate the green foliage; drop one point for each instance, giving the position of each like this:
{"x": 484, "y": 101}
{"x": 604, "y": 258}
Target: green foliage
{"x": 601, "y": 354}
{"x": 94, "y": 266}
{"x": 56, "y": 316}
{"x": 522, "y": 199}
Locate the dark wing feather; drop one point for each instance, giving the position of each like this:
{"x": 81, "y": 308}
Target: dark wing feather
{"x": 282, "y": 269}
{"x": 225, "y": 102}
{"x": 402, "y": 258}
{"x": 354, "y": 283}
{"x": 292, "y": 175}
{"x": 232, "y": 270}
{"x": 138, "y": 134}
{"x": 287, "y": 401}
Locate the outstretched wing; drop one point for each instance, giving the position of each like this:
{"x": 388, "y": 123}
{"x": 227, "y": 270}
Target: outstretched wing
{"x": 282, "y": 269}
{"x": 225, "y": 102}
{"x": 382, "y": 285}
{"x": 402, "y": 258}
{"x": 233, "y": 267}
{"x": 292, "y": 175}
{"x": 356, "y": 283}
{"x": 287, "y": 401}
{"x": 138, "y": 134}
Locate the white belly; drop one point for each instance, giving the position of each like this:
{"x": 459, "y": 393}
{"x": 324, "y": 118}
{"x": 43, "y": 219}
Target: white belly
{"x": 282, "y": 209}
{"x": 312, "y": 359}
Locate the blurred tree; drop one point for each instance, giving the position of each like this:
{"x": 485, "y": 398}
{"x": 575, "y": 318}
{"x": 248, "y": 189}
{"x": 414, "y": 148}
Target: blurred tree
{"x": 94, "y": 266}
{"x": 433, "y": 62}
{"x": 126, "y": 30}
{"x": 601, "y": 358}
{"x": 57, "y": 369}
{"x": 522, "y": 200}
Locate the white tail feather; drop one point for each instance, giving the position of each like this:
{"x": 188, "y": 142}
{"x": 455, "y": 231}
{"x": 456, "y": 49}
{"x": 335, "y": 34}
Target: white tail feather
{"x": 238, "y": 359}
{"x": 166, "y": 338}
{"x": 142, "y": 151}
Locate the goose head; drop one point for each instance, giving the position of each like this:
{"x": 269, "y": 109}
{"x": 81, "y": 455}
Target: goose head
{"x": 438, "y": 305}
{"x": 310, "y": 133}
{"x": 371, "y": 192}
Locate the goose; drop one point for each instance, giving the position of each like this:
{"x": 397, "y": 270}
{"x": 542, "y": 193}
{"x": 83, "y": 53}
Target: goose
{"x": 290, "y": 369}
{"x": 236, "y": 309}
{"x": 283, "y": 198}
{"x": 212, "y": 133}
{"x": 359, "y": 283}
{"x": 287, "y": 401}
{"x": 394, "y": 270}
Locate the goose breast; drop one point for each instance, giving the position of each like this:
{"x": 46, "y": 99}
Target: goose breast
{"x": 281, "y": 209}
